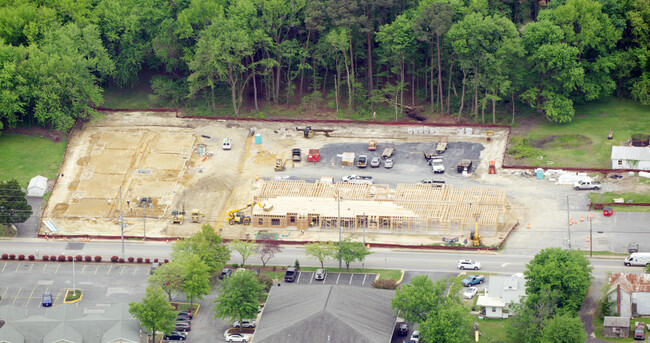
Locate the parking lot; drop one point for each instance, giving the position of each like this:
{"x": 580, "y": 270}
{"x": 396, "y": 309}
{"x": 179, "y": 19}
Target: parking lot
{"x": 348, "y": 279}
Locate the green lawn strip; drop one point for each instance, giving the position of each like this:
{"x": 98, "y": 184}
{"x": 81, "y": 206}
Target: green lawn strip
{"x": 72, "y": 296}
{"x": 491, "y": 329}
{"x": 583, "y": 142}
{"x": 185, "y": 306}
{"x": 608, "y": 197}
{"x": 605, "y": 253}
{"x": 394, "y": 274}
{"x": 276, "y": 276}
{"x": 24, "y": 157}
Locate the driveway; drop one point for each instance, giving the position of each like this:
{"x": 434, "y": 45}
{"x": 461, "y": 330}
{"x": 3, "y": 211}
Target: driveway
{"x": 29, "y": 229}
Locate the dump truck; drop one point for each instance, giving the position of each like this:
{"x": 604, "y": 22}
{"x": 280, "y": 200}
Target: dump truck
{"x": 196, "y": 215}
{"x": 295, "y": 155}
{"x": 388, "y": 151}
{"x": 314, "y": 155}
{"x": 464, "y": 164}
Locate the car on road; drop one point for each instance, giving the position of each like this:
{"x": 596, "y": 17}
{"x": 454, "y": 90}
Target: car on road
{"x": 402, "y": 329}
{"x": 176, "y": 336}
{"x": 226, "y": 272}
{"x": 375, "y": 162}
{"x": 472, "y": 280}
{"x": 470, "y": 292}
{"x": 183, "y": 326}
{"x": 319, "y": 274}
{"x": 245, "y": 323}
{"x": 388, "y": 163}
{"x": 236, "y": 337}
{"x": 47, "y": 299}
{"x": 291, "y": 274}
{"x": 469, "y": 264}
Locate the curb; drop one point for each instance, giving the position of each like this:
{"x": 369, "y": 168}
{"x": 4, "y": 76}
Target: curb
{"x": 73, "y": 301}
{"x": 401, "y": 278}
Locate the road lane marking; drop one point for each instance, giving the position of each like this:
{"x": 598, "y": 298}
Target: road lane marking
{"x": 30, "y": 297}
{"x": 337, "y": 279}
{"x": 16, "y": 297}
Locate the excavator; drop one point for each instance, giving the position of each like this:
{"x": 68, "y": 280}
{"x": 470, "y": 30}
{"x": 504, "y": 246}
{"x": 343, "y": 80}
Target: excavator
{"x": 280, "y": 164}
{"x": 239, "y": 217}
{"x": 178, "y": 216}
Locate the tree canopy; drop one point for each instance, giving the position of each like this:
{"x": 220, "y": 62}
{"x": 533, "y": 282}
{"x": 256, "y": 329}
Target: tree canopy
{"x": 349, "y": 252}
{"x": 13, "y": 204}
{"x": 239, "y": 296}
{"x": 154, "y": 312}
{"x": 207, "y": 245}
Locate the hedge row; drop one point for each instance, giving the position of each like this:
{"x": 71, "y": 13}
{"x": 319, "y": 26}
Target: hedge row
{"x": 78, "y": 258}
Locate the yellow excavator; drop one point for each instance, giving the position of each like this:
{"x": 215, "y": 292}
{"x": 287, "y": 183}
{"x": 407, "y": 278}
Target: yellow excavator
{"x": 178, "y": 216}
{"x": 239, "y": 217}
{"x": 280, "y": 164}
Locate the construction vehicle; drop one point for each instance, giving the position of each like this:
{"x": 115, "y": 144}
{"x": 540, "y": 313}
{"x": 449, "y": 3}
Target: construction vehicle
{"x": 314, "y": 155}
{"x": 239, "y": 217}
{"x": 178, "y": 217}
{"x": 196, "y": 215}
{"x": 295, "y": 155}
{"x": 442, "y": 146}
{"x": 372, "y": 145}
{"x": 430, "y": 157}
{"x": 475, "y": 236}
{"x": 280, "y": 164}
{"x": 493, "y": 168}
{"x": 388, "y": 151}
{"x": 308, "y": 132}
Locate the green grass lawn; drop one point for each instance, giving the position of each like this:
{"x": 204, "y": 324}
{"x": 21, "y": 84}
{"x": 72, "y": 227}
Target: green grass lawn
{"x": 583, "y": 142}
{"x": 492, "y": 330}
{"x": 23, "y": 157}
{"x": 598, "y": 330}
{"x": 608, "y": 197}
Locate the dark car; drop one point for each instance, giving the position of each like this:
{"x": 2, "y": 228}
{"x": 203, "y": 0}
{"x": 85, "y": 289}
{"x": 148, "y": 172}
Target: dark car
{"x": 226, "y": 272}
{"x": 291, "y": 274}
{"x": 176, "y": 336}
{"x": 47, "y": 299}
{"x": 186, "y": 313}
{"x": 183, "y": 318}
{"x": 183, "y": 326}
{"x": 402, "y": 329}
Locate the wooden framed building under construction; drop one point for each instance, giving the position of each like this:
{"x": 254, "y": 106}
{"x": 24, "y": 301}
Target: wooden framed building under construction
{"x": 409, "y": 208}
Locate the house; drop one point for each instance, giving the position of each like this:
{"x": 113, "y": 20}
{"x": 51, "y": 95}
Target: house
{"x": 630, "y": 294}
{"x": 616, "y": 327}
{"x": 327, "y": 313}
{"x": 501, "y": 291}
{"x": 630, "y": 157}
{"x": 69, "y": 324}
{"x": 37, "y": 186}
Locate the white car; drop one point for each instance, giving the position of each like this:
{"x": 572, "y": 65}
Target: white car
{"x": 415, "y": 337}
{"x": 470, "y": 292}
{"x": 245, "y": 323}
{"x": 226, "y": 143}
{"x": 236, "y": 337}
{"x": 469, "y": 264}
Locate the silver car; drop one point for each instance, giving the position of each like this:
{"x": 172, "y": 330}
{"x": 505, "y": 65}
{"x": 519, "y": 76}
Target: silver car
{"x": 375, "y": 162}
{"x": 319, "y": 274}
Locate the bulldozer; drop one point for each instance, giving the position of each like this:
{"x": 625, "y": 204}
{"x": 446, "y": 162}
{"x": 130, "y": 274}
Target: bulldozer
{"x": 196, "y": 215}
{"x": 178, "y": 217}
{"x": 280, "y": 164}
{"x": 239, "y": 217}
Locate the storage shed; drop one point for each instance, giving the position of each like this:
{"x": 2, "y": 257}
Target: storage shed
{"x": 616, "y": 327}
{"x": 37, "y": 186}
{"x": 630, "y": 157}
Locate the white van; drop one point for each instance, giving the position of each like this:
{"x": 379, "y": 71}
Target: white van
{"x": 638, "y": 259}
{"x": 226, "y": 144}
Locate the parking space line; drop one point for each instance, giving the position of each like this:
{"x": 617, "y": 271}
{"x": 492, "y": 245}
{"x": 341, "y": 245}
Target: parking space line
{"x": 57, "y": 269}
{"x": 364, "y": 279}
{"x": 3, "y": 268}
{"x": 122, "y": 271}
{"x": 351, "y": 277}
{"x": 337, "y": 279}
{"x": 109, "y": 269}
{"x": 30, "y": 297}
{"x": 44, "y": 265}
{"x": 17, "y": 266}
{"x": 96, "y": 269}
{"x": 324, "y": 278}
{"x": 136, "y": 270}
{"x": 312, "y": 277}
{"x": 16, "y": 297}
{"x": 299, "y": 274}
{"x": 84, "y": 269}
{"x": 3, "y": 296}
{"x": 30, "y": 268}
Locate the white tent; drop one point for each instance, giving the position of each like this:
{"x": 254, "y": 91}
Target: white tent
{"x": 37, "y": 186}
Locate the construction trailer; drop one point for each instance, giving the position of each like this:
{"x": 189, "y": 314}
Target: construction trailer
{"x": 409, "y": 208}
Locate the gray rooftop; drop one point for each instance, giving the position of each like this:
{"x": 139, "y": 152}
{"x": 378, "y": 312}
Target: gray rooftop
{"x": 508, "y": 288}
{"x": 617, "y": 322}
{"x": 326, "y": 313}
{"x": 630, "y": 153}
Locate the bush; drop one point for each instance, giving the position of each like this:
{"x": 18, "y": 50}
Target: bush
{"x": 155, "y": 260}
{"x": 31, "y": 257}
{"x": 88, "y": 258}
{"x": 266, "y": 281}
{"x": 384, "y": 284}
{"x": 147, "y": 260}
{"x": 21, "y": 257}
{"x": 45, "y": 257}
{"x": 166, "y": 261}
{"x": 70, "y": 258}
{"x": 5, "y": 256}
{"x": 522, "y": 148}
{"x": 12, "y": 257}
{"x": 114, "y": 258}
{"x": 139, "y": 260}
{"x": 131, "y": 259}
{"x": 235, "y": 266}
{"x": 297, "y": 264}
{"x": 121, "y": 260}
{"x": 61, "y": 258}
{"x": 98, "y": 258}
{"x": 78, "y": 258}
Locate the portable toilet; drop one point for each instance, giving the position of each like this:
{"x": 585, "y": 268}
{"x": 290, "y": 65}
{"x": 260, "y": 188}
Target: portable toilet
{"x": 258, "y": 138}
{"x": 539, "y": 172}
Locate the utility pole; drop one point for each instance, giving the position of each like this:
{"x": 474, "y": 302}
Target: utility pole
{"x": 568, "y": 221}
{"x": 591, "y": 239}
{"x": 338, "y": 222}
{"x": 121, "y": 222}
{"x": 144, "y": 222}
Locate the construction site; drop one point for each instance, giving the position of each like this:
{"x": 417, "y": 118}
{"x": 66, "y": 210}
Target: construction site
{"x": 156, "y": 176}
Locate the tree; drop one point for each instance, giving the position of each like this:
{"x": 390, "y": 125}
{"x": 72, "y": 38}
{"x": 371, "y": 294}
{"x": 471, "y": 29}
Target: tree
{"x": 321, "y": 251}
{"x": 169, "y": 277}
{"x": 244, "y": 248}
{"x": 239, "y": 296}
{"x": 13, "y": 205}
{"x": 528, "y": 317}
{"x": 418, "y": 299}
{"x": 154, "y": 312}
{"x": 565, "y": 328}
{"x": 196, "y": 281}
{"x": 566, "y": 272}
{"x": 268, "y": 249}
{"x": 349, "y": 252}
{"x": 206, "y": 244}
{"x": 451, "y": 324}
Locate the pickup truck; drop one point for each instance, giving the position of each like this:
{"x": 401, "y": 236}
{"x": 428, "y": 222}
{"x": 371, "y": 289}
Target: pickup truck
{"x": 472, "y": 280}
{"x": 362, "y": 161}
{"x": 357, "y": 179}
{"x": 437, "y": 166}
{"x": 586, "y": 184}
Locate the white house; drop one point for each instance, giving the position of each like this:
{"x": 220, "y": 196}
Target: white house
{"x": 37, "y": 186}
{"x": 501, "y": 291}
{"x": 630, "y": 294}
{"x": 630, "y": 157}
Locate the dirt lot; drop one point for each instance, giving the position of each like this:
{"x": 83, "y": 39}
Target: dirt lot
{"x": 155, "y": 155}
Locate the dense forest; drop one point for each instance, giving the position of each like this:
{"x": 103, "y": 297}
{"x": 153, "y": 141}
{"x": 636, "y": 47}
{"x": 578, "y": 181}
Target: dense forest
{"x": 471, "y": 58}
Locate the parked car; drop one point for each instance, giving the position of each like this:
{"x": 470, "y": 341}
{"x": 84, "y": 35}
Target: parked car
{"x": 183, "y": 326}
{"x": 176, "y": 336}
{"x": 633, "y": 247}
{"x": 639, "y": 331}
{"x": 402, "y": 329}
{"x": 470, "y": 292}
{"x": 47, "y": 299}
{"x": 291, "y": 274}
{"x": 187, "y": 313}
{"x": 183, "y": 318}
{"x": 245, "y": 323}
{"x": 153, "y": 268}
{"x": 362, "y": 161}
{"x": 469, "y": 264}
{"x": 434, "y": 183}
{"x": 472, "y": 280}
{"x": 226, "y": 272}
{"x": 415, "y": 337}
{"x": 319, "y": 274}
{"x": 226, "y": 144}
{"x": 236, "y": 337}
{"x": 375, "y": 162}
{"x": 388, "y": 163}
